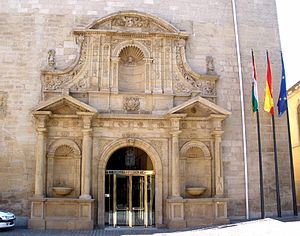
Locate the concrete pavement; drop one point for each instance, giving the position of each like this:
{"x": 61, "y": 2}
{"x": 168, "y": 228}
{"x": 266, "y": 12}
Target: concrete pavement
{"x": 266, "y": 227}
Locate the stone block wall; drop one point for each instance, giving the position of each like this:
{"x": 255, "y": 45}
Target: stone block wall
{"x": 30, "y": 28}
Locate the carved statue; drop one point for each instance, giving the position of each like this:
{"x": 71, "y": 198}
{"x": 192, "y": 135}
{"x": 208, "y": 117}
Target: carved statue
{"x": 3, "y": 104}
{"x": 210, "y": 68}
{"x": 51, "y": 59}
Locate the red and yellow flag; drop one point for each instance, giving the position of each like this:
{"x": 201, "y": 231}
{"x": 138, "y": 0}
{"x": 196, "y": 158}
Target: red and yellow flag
{"x": 269, "y": 104}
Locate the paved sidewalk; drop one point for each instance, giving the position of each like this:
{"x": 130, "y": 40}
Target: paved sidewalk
{"x": 266, "y": 227}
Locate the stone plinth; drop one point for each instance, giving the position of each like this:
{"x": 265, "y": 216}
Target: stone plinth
{"x": 205, "y": 211}
{"x": 196, "y": 212}
{"x": 61, "y": 213}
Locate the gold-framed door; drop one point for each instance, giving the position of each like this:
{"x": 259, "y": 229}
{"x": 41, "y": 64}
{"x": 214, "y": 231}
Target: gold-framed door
{"x": 129, "y": 198}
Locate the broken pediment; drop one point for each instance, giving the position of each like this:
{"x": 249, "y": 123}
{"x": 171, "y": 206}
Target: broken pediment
{"x": 64, "y": 105}
{"x": 129, "y": 52}
{"x": 199, "y": 107}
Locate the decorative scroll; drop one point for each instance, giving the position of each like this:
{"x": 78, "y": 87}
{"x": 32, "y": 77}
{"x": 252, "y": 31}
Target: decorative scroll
{"x": 54, "y": 81}
{"x": 205, "y": 87}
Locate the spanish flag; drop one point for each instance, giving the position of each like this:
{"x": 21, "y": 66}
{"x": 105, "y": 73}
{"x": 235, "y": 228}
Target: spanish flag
{"x": 269, "y": 104}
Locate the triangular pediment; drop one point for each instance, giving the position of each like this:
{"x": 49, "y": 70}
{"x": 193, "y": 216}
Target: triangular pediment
{"x": 199, "y": 107}
{"x": 64, "y": 105}
{"x": 133, "y": 21}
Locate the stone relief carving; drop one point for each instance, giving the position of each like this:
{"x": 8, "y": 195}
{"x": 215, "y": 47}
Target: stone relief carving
{"x": 82, "y": 83}
{"x": 131, "y": 21}
{"x": 131, "y": 104}
{"x": 180, "y": 87}
{"x": 3, "y": 104}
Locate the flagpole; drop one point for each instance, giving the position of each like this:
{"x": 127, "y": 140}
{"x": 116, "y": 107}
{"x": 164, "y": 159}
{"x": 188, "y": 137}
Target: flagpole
{"x": 269, "y": 107}
{"x": 291, "y": 164}
{"x": 261, "y": 176}
{"x": 255, "y": 108}
{"x": 276, "y": 170}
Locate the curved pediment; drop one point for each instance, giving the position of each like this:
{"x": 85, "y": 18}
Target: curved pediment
{"x": 129, "y": 54}
{"x": 133, "y": 21}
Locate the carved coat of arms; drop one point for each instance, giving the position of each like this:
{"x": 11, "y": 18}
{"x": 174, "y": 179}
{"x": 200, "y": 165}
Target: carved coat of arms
{"x": 131, "y": 104}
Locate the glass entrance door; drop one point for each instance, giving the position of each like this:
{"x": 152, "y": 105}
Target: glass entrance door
{"x": 129, "y": 198}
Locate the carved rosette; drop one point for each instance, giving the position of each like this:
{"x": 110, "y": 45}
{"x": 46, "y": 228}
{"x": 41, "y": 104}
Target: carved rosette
{"x": 131, "y": 104}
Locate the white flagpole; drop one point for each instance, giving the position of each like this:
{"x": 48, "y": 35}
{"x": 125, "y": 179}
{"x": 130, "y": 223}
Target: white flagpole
{"x": 237, "y": 42}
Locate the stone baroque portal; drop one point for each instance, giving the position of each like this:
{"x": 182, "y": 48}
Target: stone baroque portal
{"x": 129, "y": 89}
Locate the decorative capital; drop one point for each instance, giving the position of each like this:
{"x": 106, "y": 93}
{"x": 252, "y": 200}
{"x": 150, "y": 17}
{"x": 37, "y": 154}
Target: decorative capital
{"x": 41, "y": 118}
{"x": 175, "y": 121}
{"x": 86, "y": 118}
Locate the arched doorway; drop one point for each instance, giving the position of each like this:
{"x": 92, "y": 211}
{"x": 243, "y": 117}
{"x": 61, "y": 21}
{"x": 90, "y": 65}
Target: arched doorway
{"x": 129, "y": 189}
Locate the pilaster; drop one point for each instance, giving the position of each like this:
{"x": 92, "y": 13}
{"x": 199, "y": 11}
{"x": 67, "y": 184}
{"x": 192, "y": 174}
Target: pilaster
{"x": 115, "y": 74}
{"x": 217, "y": 133}
{"x": 87, "y": 142}
{"x": 40, "y": 152}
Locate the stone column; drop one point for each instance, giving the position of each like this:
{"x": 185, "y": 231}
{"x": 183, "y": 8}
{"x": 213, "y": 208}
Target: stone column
{"x": 40, "y": 153}
{"x": 87, "y": 145}
{"x": 218, "y": 164}
{"x": 115, "y": 74}
{"x": 175, "y": 164}
{"x": 175, "y": 173}
{"x": 175, "y": 203}
{"x": 217, "y": 135}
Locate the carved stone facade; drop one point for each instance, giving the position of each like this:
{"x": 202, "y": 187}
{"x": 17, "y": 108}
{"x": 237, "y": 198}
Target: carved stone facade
{"x": 127, "y": 76}
{"x": 119, "y": 108}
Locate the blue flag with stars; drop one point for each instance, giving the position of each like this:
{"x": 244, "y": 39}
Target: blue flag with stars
{"x": 282, "y": 100}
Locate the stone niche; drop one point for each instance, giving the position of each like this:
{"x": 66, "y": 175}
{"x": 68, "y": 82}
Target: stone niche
{"x": 131, "y": 70}
{"x": 63, "y": 169}
{"x": 196, "y": 170}
{"x": 199, "y": 172}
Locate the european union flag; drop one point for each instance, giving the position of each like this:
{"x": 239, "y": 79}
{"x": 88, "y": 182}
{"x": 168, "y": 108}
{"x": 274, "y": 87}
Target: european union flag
{"x": 282, "y": 100}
